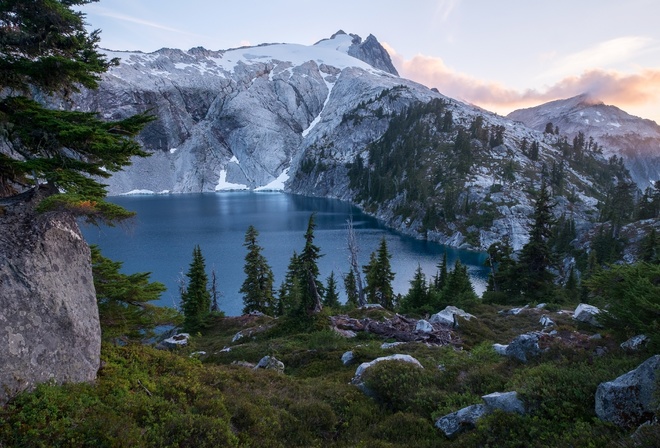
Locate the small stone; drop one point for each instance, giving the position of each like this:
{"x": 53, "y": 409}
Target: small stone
{"x": 347, "y": 357}
{"x": 635, "y": 342}
{"x": 424, "y": 326}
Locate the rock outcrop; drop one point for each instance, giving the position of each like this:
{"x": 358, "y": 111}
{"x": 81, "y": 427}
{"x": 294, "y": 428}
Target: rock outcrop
{"x": 587, "y": 314}
{"x": 628, "y": 400}
{"x": 49, "y": 322}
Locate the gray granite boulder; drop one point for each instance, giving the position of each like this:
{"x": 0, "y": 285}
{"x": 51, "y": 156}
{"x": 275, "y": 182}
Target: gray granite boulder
{"x": 49, "y": 320}
{"x": 447, "y": 316}
{"x": 461, "y": 420}
{"x": 587, "y": 314}
{"x": 270, "y": 363}
{"x": 628, "y": 400}
{"x": 504, "y": 401}
{"x": 523, "y": 347}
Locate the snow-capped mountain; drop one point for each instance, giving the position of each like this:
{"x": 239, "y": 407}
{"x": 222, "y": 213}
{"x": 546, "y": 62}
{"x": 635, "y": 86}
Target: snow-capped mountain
{"x": 635, "y": 139}
{"x": 300, "y": 118}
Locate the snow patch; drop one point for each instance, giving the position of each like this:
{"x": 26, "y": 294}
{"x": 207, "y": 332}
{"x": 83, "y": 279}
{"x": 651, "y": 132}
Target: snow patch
{"x": 277, "y": 184}
{"x": 136, "y": 192}
{"x": 173, "y": 150}
{"x": 234, "y": 160}
{"x": 224, "y": 185}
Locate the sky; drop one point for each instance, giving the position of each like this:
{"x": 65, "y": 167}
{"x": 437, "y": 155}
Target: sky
{"x": 501, "y": 55}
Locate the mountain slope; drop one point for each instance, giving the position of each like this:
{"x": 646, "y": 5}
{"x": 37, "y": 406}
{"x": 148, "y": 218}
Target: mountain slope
{"x": 315, "y": 120}
{"x": 635, "y": 139}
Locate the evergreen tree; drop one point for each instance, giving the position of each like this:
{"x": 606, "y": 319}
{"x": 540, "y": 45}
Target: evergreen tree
{"x": 46, "y": 51}
{"x": 379, "y": 277}
{"x": 536, "y": 255}
{"x": 459, "y": 290}
{"x": 257, "y": 288}
{"x": 195, "y": 298}
{"x": 417, "y": 297}
{"x": 440, "y": 279}
{"x": 123, "y": 300}
{"x": 308, "y": 272}
{"x": 351, "y": 289}
{"x": 331, "y": 299}
{"x": 572, "y": 287}
{"x": 650, "y": 248}
{"x": 289, "y": 296}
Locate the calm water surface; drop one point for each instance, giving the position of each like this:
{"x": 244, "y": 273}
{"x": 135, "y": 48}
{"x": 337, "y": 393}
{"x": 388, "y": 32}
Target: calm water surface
{"x": 161, "y": 238}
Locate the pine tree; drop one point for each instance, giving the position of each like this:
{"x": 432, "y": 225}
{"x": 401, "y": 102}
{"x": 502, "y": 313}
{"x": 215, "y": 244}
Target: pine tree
{"x": 123, "y": 301}
{"x": 379, "y": 277}
{"x": 441, "y": 277}
{"x": 195, "y": 298}
{"x": 536, "y": 255}
{"x": 331, "y": 299}
{"x": 46, "y": 51}
{"x": 257, "y": 288}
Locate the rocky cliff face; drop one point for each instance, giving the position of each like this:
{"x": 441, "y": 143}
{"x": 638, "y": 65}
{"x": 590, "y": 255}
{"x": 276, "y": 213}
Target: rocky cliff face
{"x": 294, "y": 117}
{"x": 635, "y": 139}
{"x": 49, "y": 321}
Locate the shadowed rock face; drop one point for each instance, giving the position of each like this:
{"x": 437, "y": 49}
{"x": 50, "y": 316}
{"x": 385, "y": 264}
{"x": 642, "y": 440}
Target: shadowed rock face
{"x": 49, "y": 323}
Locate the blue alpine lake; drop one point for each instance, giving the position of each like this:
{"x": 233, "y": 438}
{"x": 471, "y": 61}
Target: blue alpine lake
{"x": 161, "y": 238}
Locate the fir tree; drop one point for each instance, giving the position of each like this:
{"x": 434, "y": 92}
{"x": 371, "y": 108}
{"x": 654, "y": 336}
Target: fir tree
{"x": 379, "y": 277}
{"x": 536, "y": 255}
{"x": 308, "y": 272}
{"x": 650, "y": 248}
{"x": 257, "y": 288}
{"x": 331, "y": 298}
{"x": 289, "y": 296}
{"x": 45, "y": 50}
{"x": 417, "y": 297}
{"x": 351, "y": 289}
{"x": 195, "y": 298}
{"x": 440, "y": 278}
{"x": 123, "y": 300}
{"x": 459, "y": 290}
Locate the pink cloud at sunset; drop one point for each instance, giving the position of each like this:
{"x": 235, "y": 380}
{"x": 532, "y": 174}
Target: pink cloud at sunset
{"x": 637, "y": 93}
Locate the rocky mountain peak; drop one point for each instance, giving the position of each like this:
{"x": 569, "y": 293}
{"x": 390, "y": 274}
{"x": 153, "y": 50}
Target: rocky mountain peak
{"x": 635, "y": 139}
{"x": 369, "y": 50}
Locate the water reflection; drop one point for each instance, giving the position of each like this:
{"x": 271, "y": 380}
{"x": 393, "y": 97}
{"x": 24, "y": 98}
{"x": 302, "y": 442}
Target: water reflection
{"x": 167, "y": 228}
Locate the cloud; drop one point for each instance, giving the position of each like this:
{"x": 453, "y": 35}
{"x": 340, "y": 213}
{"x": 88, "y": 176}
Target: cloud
{"x": 123, "y": 17}
{"x": 445, "y": 8}
{"x": 636, "y": 91}
{"x": 604, "y": 54}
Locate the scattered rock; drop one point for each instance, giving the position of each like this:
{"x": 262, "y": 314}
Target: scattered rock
{"x": 596, "y": 336}
{"x": 500, "y": 349}
{"x": 514, "y": 311}
{"x": 424, "y": 326}
{"x": 249, "y": 365}
{"x": 462, "y": 420}
{"x": 400, "y": 328}
{"x": 447, "y": 316}
{"x": 372, "y": 306}
{"x": 176, "y": 341}
{"x": 270, "y": 363}
{"x": 225, "y": 350}
{"x": 523, "y": 347}
{"x": 628, "y": 400}
{"x": 587, "y": 314}
{"x": 347, "y": 358}
{"x": 388, "y": 345}
{"x": 197, "y": 354}
{"x": 249, "y": 332}
{"x": 466, "y": 418}
{"x": 348, "y": 334}
{"x": 546, "y": 321}
{"x": 540, "y": 306}
{"x": 504, "y": 401}
{"x": 635, "y": 343}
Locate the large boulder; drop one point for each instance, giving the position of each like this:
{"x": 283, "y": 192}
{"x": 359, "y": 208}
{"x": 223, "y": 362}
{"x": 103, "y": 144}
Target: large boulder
{"x": 587, "y": 314}
{"x": 461, "y": 420}
{"x": 447, "y": 316}
{"x": 49, "y": 321}
{"x": 504, "y": 401}
{"x": 628, "y": 400}
{"x": 523, "y": 347}
{"x": 270, "y": 363}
